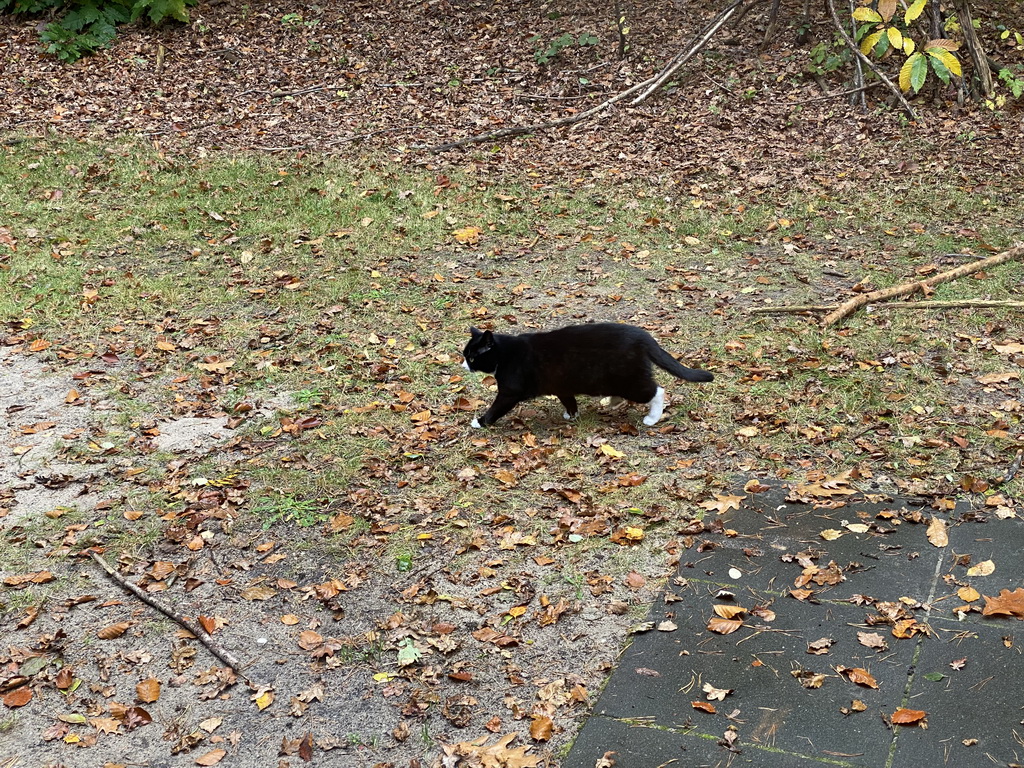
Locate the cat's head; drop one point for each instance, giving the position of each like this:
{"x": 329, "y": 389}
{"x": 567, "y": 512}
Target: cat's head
{"x": 479, "y": 352}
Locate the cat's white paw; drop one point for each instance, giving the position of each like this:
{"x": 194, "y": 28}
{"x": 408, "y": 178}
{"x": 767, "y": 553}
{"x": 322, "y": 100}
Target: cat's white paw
{"x": 474, "y": 424}
{"x": 569, "y": 416}
{"x": 650, "y": 421}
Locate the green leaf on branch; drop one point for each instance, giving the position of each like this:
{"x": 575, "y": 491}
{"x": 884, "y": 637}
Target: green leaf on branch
{"x": 940, "y": 69}
{"x": 914, "y": 11}
{"x": 951, "y": 62}
{"x": 870, "y": 42}
{"x": 913, "y": 73}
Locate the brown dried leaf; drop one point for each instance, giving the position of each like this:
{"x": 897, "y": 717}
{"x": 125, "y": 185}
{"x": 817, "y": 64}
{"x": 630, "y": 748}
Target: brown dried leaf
{"x": 908, "y": 716}
{"x": 212, "y": 757}
{"x": 541, "y": 728}
{"x": 148, "y": 690}
{"x": 114, "y": 630}
{"x": 937, "y": 534}
{"x": 1006, "y": 604}
{"x": 724, "y": 626}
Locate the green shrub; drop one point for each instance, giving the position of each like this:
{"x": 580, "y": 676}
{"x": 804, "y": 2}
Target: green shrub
{"x": 88, "y": 25}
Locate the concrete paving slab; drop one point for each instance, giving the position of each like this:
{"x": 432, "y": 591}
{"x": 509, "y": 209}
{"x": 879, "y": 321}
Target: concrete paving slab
{"x": 965, "y": 670}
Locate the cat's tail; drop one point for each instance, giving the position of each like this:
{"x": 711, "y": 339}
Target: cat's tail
{"x": 666, "y": 362}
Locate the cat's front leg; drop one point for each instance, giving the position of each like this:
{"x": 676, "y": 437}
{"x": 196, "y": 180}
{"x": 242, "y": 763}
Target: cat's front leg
{"x": 571, "y": 409}
{"x": 502, "y": 404}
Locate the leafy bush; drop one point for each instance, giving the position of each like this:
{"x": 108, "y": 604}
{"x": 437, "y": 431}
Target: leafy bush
{"x": 88, "y": 25}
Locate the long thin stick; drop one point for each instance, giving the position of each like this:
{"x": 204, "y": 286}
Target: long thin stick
{"x": 211, "y": 644}
{"x": 706, "y": 34}
{"x": 848, "y": 307}
{"x": 956, "y": 304}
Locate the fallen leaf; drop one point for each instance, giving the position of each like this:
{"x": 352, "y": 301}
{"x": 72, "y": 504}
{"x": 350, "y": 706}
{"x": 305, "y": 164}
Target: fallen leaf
{"x": 212, "y": 757}
{"x": 715, "y": 694}
{"x": 968, "y": 594}
{"x": 722, "y": 504}
{"x": 105, "y": 724}
{"x": 19, "y": 697}
{"x": 541, "y": 728}
{"x": 114, "y": 630}
{"x": 704, "y": 706}
{"x": 724, "y": 626}
{"x": 859, "y": 676}
{"x": 984, "y": 568}
{"x": 908, "y": 716}
{"x": 872, "y": 640}
{"x": 148, "y": 690}
{"x": 937, "y": 534}
{"x": 1006, "y": 604}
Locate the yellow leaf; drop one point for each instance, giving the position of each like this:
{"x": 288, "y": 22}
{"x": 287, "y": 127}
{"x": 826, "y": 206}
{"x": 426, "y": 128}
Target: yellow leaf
{"x": 866, "y": 14}
{"x": 869, "y": 42}
{"x": 908, "y": 46}
{"x": 516, "y": 611}
{"x": 607, "y": 450}
{"x": 914, "y": 11}
{"x": 984, "y": 568}
{"x": 895, "y": 37}
{"x": 830, "y": 534}
{"x": 635, "y": 534}
{"x": 968, "y": 594}
{"x": 905, "y": 72}
{"x": 467, "y": 235}
{"x": 952, "y": 62}
{"x": 264, "y": 700}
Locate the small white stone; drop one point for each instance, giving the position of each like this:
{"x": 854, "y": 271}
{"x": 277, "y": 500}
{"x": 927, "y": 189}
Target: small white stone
{"x": 735, "y": 573}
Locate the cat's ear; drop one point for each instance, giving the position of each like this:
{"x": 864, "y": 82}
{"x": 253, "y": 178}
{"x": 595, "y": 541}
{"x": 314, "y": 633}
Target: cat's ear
{"x": 486, "y": 341}
{"x": 474, "y": 331}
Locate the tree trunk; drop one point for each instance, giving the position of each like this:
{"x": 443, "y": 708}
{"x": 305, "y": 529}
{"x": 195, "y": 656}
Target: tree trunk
{"x": 974, "y": 47}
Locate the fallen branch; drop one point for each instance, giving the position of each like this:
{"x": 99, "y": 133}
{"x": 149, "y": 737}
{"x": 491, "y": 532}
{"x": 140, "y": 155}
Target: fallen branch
{"x": 955, "y": 304}
{"x": 849, "y": 307}
{"x": 909, "y": 110}
{"x": 681, "y": 58}
{"x": 646, "y": 88}
{"x": 212, "y": 645}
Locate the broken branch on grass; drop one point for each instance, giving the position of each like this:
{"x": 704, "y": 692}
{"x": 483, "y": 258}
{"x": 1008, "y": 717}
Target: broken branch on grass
{"x": 907, "y": 109}
{"x": 849, "y": 307}
{"x": 212, "y": 645}
{"x": 646, "y": 88}
{"x": 955, "y": 304}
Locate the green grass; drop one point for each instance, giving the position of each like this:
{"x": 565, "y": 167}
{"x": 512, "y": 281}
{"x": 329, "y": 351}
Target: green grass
{"x": 339, "y": 292}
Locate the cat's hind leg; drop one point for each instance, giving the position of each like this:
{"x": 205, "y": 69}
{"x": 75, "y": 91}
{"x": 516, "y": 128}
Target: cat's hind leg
{"x": 657, "y": 406}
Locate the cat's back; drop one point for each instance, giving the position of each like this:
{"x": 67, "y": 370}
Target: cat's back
{"x": 595, "y": 336}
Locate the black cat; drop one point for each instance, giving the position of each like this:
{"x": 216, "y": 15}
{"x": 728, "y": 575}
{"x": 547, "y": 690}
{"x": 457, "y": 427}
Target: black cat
{"x": 602, "y": 359}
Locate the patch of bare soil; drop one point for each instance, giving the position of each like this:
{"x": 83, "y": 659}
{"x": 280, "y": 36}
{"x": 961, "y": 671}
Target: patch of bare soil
{"x": 96, "y": 677}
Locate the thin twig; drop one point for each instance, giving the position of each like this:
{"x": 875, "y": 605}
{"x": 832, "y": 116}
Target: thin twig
{"x": 645, "y": 88}
{"x": 702, "y": 39}
{"x": 212, "y": 645}
{"x": 837, "y": 94}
